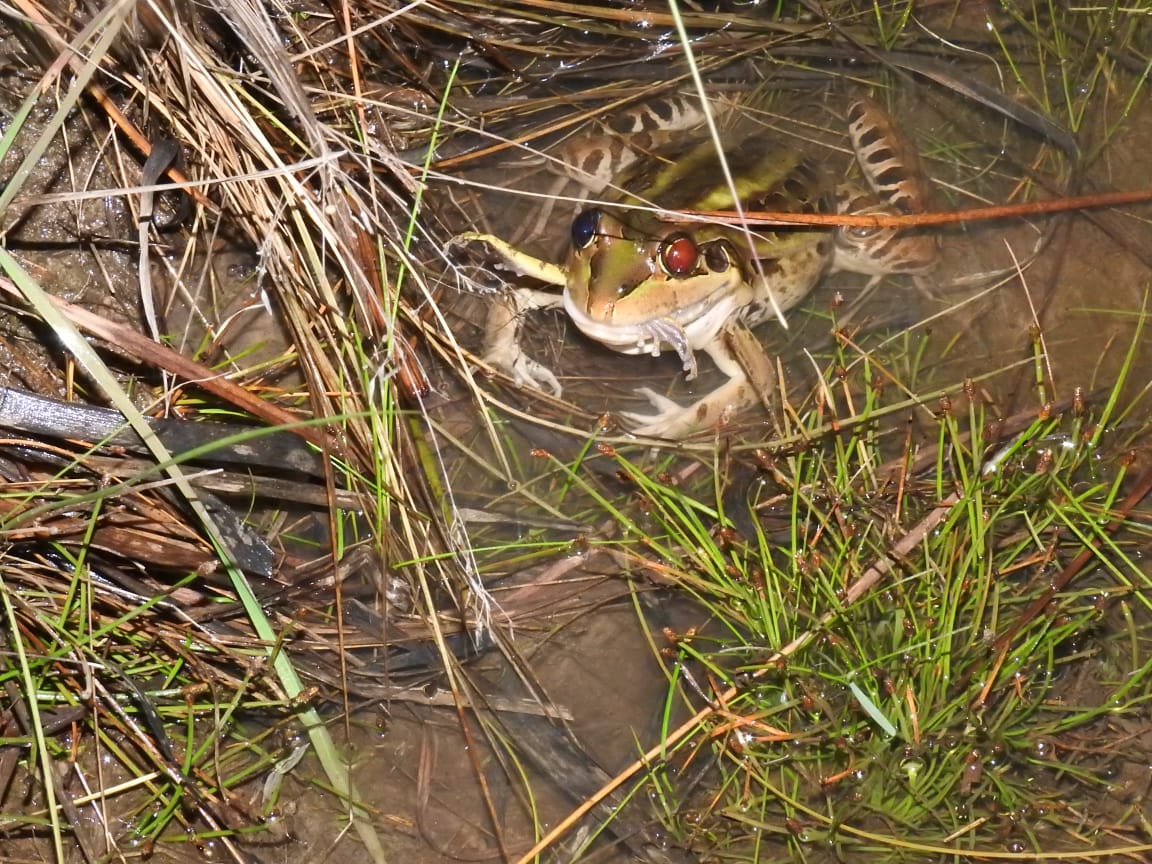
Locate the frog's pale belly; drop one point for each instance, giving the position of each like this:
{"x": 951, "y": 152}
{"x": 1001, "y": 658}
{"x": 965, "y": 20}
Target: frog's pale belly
{"x": 637, "y": 284}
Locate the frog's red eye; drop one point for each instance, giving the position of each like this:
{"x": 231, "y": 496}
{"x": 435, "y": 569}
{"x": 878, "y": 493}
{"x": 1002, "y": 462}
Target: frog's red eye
{"x": 585, "y": 227}
{"x": 679, "y": 255}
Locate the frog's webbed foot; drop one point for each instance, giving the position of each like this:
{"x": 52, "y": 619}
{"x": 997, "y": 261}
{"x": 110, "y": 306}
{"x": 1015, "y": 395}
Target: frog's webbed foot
{"x": 739, "y": 356}
{"x": 524, "y": 371}
{"x": 675, "y": 421}
{"x": 502, "y": 347}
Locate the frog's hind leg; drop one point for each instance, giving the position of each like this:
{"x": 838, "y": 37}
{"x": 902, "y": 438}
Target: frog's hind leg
{"x": 716, "y": 409}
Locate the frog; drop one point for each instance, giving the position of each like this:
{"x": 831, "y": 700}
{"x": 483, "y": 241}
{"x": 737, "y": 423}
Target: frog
{"x": 642, "y": 276}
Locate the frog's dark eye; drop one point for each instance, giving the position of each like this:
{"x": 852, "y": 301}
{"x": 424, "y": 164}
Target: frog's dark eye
{"x": 585, "y": 227}
{"x": 679, "y": 254}
{"x": 719, "y": 256}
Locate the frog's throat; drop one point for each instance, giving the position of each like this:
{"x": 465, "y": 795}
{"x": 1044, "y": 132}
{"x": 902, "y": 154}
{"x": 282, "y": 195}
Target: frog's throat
{"x": 704, "y": 321}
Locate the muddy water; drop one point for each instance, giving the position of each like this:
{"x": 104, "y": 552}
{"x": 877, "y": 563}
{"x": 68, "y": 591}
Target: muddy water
{"x": 1058, "y": 294}
{"x": 419, "y": 773}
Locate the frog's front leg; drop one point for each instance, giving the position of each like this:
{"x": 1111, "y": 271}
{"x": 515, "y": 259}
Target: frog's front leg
{"x": 675, "y": 421}
{"x": 513, "y": 259}
{"x": 502, "y": 347}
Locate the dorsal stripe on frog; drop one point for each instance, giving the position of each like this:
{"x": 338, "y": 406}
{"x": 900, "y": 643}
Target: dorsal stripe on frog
{"x": 594, "y": 159}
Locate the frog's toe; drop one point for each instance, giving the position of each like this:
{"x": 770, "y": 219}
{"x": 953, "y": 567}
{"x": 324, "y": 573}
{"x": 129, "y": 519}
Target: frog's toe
{"x": 529, "y": 373}
{"x": 671, "y": 419}
{"x": 661, "y": 403}
{"x": 506, "y": 356}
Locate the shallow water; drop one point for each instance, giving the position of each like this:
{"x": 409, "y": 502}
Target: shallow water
{"x": 1034, "y": 310}
{"x": 1082, "y": 295}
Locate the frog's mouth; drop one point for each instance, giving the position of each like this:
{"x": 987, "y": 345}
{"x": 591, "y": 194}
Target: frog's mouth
{"x": 690, "y": 328}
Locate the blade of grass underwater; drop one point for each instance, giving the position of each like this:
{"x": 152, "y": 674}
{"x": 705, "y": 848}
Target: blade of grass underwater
{"x": 42, "y": 753}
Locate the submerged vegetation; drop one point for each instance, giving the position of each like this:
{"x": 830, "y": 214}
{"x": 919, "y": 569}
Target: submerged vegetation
{"x": 906, "y": 617}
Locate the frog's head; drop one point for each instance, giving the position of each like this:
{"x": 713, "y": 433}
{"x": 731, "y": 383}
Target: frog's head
{"x": 619, "y": 275}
